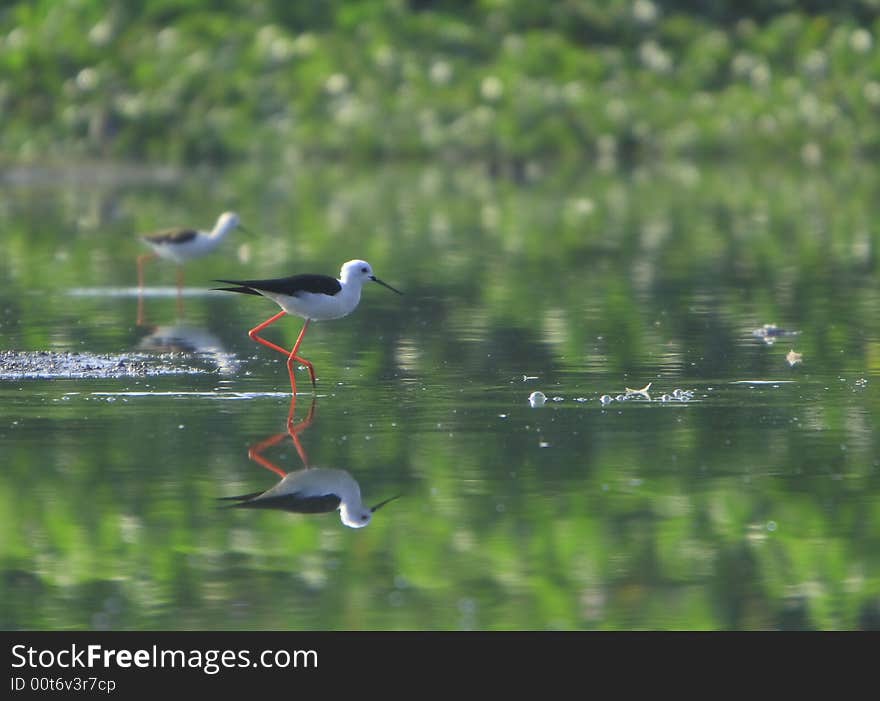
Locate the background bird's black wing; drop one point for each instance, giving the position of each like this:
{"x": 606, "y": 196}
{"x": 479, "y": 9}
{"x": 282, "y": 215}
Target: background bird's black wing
{"x": 172, "y": 236}
{"x": 321, "y": 284}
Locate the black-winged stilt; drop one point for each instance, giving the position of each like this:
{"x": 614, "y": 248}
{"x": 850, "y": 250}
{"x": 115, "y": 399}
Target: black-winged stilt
{"x": 310, "y": 296}
{"x": 180, "y": 245}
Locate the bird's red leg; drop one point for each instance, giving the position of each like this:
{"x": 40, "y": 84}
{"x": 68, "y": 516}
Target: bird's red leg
{"x": 294, "y": 357}
{"x": 294, "y": 429}
{"x": 141, "y": 259}
{"x": 253, "y": 334}
{"x": 255, "y": 453}
{"x": 254, "y": 331}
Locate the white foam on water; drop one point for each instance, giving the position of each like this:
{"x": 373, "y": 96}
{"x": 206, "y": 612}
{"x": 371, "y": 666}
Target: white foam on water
{"x": 763, "y": 382}
{"x": 212, "y": 395}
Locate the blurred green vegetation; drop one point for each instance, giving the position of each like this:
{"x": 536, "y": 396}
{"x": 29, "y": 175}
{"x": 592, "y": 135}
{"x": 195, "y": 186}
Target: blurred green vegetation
{"x": 504, "y": 81}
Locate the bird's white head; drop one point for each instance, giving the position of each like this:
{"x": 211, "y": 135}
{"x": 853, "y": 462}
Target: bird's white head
{"x": 358, "y": 516}
{"x": 226, "y": 223}
{"x": 358, "y": 272}
{"x": 355, "y": 518}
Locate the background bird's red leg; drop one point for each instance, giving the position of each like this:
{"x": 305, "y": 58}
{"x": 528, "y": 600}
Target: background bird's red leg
{"x": 141, "y": 259}
{"x": 179, "y": 291}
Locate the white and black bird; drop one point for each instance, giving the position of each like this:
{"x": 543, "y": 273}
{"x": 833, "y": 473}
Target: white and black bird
{"x": 180, "y": 245}
{"x": 310, "y": 296}
{"x": 314, "y": 490}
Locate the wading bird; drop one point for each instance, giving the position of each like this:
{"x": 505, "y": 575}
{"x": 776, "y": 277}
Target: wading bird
{"x": 181, "y": 245}
{"x": 312, "y": 297}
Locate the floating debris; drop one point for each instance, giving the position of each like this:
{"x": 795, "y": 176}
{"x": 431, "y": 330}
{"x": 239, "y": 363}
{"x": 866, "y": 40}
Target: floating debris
{"x": 537, "y": 399}
{"x": 678, "y": 395}
{"x": 643, "y": 392}
{"x": 794, "y": 358}
{"x": 770, "y": 332}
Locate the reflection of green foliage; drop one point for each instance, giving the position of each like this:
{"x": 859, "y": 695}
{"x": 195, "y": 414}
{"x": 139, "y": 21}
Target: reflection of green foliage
{"x": 511, "y": 82}
{"x": 752, "y": 509}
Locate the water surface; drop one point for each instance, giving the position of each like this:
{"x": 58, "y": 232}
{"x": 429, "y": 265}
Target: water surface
{"x": 752, "y": 504}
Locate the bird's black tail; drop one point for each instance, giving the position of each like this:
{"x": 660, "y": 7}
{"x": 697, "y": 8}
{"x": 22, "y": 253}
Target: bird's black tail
{"x": 239, "y": 288}
{"x": 239, "y": 499}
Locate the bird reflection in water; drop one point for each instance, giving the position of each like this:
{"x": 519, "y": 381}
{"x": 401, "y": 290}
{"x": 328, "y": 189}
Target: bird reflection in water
{"x": 312, "y": 490}
{"x": 193, "y": 340}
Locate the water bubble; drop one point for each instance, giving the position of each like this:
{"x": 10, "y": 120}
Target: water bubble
{"x": 537, "y": 399}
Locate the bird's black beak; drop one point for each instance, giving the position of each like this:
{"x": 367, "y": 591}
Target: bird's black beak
{"x": 384, "y": 284}
{"x": 245, "y": 230}
{"x": 382, "y": 503}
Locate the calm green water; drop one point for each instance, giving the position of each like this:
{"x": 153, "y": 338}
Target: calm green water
{"x": 754, "y": 505}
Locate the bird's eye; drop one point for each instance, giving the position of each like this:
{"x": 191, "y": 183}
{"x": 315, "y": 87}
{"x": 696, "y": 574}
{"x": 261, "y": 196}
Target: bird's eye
{"x": 364, "y": 269}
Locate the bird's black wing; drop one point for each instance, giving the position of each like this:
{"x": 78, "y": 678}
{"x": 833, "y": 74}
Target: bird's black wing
{"x": 171, "y": 236}
{"x": 241, "y": 497}
{"x": 295, "y": 503}
{"x": 291, "y": 286}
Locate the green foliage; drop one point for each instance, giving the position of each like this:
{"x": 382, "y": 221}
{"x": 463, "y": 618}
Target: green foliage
{"x": 505, "y": 81}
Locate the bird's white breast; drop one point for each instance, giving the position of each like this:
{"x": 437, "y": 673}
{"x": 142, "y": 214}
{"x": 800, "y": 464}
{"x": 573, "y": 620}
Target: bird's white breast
{"x": 182, "y": 252}
{"x": 318, "y": 482}
{"x": 317, "y": 306}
